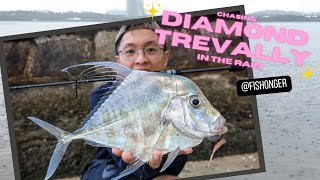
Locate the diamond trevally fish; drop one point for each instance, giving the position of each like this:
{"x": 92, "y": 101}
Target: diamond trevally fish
{"x": 141, "y": 112}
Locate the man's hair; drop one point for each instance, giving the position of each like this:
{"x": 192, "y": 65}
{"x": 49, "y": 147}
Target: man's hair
{"x": 125, "y": 28}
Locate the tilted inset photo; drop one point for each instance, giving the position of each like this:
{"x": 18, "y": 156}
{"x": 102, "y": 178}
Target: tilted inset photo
{"x": 110, "y": 101}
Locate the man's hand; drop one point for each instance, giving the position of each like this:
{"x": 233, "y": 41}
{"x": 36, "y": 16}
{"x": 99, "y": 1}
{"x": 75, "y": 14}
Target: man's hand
{"x": 154, "y": 161}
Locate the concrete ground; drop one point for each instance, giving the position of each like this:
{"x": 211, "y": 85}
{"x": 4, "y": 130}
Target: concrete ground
{"x": 219, "y": 165}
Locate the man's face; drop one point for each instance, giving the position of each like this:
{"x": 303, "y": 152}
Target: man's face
{"x": 140, "y": 39}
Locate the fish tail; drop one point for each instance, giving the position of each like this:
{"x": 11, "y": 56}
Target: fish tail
{"x": 58, "y": 153}
{"x": 61, "y": 147}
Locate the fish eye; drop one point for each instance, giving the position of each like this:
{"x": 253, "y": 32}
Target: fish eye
{"x": 194, "y": 101}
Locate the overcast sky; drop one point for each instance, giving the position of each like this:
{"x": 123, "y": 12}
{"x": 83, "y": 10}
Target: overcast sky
{"x": 101, "y": 6}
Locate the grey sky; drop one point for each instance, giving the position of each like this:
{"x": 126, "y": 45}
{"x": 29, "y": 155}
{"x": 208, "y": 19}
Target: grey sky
{"x": 101, "y": 6}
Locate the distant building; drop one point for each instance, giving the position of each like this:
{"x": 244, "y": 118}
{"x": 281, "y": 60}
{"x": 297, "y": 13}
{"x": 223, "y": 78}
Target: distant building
{"x": 135, "y": 8}
{"x": 74, "y": 19}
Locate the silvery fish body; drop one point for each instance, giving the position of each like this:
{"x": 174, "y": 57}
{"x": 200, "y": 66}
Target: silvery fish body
{"x": 141, "y": 112}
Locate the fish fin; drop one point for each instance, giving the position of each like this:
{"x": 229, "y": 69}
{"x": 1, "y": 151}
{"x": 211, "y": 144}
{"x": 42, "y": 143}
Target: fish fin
{"x": 171, "y": 157}
{"x": 117, "y": 72}
{"x": 130, "y": 169}
{"x": 61, "y": 147}
{"x": 100, "y": 102}
{"x": 99, "y": 70}
{"x": 95, "y": 144}
{"x": 58, "y": 153}
{"x": 58, "y": 133}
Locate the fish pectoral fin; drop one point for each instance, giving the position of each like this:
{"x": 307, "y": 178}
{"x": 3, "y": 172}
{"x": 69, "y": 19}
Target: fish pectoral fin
{"x": 171, "y": 157}
{"x": 130, "y": 169}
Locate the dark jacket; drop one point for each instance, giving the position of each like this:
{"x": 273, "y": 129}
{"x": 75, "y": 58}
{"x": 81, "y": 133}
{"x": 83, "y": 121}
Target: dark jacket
{"x": 106, "y": 162}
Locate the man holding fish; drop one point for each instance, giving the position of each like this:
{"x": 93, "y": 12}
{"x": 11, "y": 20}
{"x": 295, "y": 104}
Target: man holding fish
{"x": 140, "y": 111}
{"x": 137, "y": 48}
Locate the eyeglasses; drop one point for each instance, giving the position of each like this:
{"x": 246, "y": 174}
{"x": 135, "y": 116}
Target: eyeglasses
{"x": 131, "y": 54}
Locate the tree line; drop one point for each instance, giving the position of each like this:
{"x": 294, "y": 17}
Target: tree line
{"x": 56, "y": 16}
